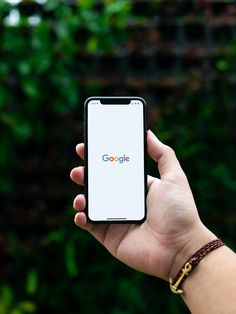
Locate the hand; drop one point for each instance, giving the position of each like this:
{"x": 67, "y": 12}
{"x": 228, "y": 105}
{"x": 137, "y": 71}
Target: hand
{"x": 172, "y": 231}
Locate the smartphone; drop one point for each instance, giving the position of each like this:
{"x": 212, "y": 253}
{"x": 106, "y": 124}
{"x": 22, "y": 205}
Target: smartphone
{"x": 115, "y": 150}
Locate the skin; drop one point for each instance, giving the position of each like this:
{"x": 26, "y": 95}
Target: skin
{"x": 170, "y": 235}
{"x": 172, "y": 223}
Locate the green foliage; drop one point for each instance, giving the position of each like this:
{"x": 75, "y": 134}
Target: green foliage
{"x": 48, "y": 265}
{"x": 39, "y": 71}
{"x": 32, "y": 282}
{"x": 8, "y": 305}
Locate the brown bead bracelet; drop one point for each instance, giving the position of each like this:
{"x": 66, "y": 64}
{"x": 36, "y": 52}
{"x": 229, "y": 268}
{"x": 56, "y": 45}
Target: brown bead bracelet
{"x": 192, "y": 262}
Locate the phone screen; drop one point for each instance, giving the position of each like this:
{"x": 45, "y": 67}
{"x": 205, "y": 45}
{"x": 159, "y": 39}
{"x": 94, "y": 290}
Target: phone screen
{"x": 116, "y": 179}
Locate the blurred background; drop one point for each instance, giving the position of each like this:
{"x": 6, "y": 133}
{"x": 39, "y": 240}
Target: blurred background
{"x": 178, "y": 55}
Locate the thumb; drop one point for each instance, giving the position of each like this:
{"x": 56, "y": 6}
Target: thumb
{"x": 168, "y": 165}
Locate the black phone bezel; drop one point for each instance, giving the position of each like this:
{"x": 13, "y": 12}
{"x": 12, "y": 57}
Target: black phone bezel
{"x": 116, "y": 101}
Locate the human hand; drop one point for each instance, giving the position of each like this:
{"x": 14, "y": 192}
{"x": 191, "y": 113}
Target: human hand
{"x": 172, "y": 230}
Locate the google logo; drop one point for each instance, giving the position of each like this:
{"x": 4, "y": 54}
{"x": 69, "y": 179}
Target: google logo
{"x": 120, "y": 159}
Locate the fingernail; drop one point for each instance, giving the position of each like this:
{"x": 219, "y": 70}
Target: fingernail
{"x": 152, "y": 134}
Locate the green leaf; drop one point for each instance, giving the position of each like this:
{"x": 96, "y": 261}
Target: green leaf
{"x": 222, "y": 65}
{"x": 116, "y": 7}
{"x": 86, "y": 4}
{"x": 4, "y": 68}
{"x": 32, "y": 282}
{"x": 27, "y": 306}
{"x": 16, "y": 311}
{"x": 24, "y": 67}
{"x": 54, "y": 236}
{"x": 21, "y": 128}
{"x": 92, "y": 44}
{"x": 6, "y": 298}
{"x": 30, "y": 88}
{"x": 62, "y": 30}
{"x": 71, "y": 264}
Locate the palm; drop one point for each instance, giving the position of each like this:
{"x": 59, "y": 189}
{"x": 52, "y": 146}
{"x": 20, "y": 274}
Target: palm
{"x": 155, "y": 239}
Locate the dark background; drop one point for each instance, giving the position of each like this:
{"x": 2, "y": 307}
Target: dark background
{"x": 178, "y": 55}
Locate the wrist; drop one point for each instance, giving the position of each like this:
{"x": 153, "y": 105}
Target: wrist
{"x": 198, "y": 238}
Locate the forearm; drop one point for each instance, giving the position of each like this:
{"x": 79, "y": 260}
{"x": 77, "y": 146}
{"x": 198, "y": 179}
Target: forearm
{"x": 211, "y": 287}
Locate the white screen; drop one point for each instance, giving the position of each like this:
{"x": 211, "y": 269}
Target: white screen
{"x": 116, "y": 178}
